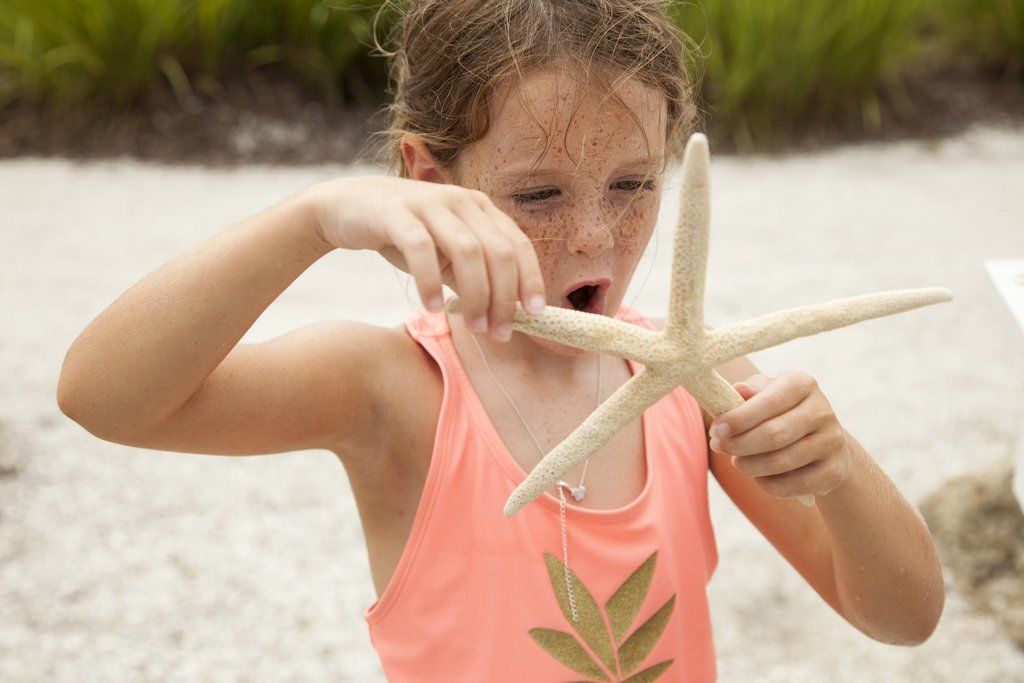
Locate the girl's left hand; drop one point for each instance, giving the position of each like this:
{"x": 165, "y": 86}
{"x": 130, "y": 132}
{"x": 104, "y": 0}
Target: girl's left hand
{"x": 785, "y": 435}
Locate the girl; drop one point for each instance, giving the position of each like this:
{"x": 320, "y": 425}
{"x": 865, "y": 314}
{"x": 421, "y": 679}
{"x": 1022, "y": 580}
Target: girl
{"x": 530, "y": 139}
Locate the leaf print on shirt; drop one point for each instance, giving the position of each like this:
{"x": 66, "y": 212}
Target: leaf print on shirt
{"x": 615, "y": 657}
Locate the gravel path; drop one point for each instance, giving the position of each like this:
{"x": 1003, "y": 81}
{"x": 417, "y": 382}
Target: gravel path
{"x": 121, "y": 564}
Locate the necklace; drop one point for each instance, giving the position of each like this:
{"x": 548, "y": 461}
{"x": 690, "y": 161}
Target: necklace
{"x": 577, "y": 491}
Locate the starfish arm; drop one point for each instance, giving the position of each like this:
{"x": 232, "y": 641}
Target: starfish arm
{"x": 714, "y": 393}
{"x": 587, "y": 331}
{"x": 618, "y": 410}
{"x": 690, "y": 250}
{"x": 770, "y": 330}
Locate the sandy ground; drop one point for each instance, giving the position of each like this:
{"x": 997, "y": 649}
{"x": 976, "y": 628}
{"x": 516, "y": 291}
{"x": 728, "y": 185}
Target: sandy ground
{"x": 122, "y": 564}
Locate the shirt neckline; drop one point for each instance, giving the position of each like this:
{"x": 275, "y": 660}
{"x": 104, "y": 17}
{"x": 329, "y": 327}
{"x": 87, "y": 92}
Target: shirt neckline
{"x": 515, "y": 472}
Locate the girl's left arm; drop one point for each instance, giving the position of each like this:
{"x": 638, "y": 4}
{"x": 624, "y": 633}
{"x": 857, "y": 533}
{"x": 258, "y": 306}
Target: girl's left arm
{"x": 887, "y": 575}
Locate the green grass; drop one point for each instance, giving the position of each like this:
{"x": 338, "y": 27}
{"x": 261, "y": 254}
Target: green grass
{"x": 773, "y": 68}
{"x": 64, "y": 52}
{"x": 68, "y": 50}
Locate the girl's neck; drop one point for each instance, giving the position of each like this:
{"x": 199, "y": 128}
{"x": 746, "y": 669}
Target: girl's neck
{"x": 544, "y": 365}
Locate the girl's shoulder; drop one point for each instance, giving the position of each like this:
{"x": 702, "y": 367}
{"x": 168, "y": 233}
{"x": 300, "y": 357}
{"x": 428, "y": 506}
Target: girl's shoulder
{"x": 408, "y": 393}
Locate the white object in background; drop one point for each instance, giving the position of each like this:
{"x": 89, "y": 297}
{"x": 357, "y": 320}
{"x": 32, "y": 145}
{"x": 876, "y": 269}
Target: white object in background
{"x": 1008, "y": 277}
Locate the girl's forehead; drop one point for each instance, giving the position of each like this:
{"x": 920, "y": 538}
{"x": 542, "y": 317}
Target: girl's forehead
{"x": 555, "y": 124}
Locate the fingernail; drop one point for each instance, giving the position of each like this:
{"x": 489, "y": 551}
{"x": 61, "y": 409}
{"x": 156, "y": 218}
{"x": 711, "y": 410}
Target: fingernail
{"x": 714, "y": 445}
{"x": 478, "y": 324}
{"x": 504, "y": 331}
{"x": 436, "y": 304}
{"x": 720, "y": 429}
{"x": 536, "y": 304}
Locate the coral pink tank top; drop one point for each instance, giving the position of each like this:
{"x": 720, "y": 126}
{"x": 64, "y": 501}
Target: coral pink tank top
{"x": 480, "y": 597}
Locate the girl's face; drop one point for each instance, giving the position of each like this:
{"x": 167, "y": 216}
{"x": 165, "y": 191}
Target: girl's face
{"x": 591, "y": 205}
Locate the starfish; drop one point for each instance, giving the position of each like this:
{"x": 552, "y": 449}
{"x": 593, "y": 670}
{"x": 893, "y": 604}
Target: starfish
{"x": 683, "y": 353}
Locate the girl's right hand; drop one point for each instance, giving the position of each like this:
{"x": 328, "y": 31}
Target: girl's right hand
{"x": 438, "y": 233}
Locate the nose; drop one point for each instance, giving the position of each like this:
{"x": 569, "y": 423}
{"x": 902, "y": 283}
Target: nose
{"x": 590, "y": 228}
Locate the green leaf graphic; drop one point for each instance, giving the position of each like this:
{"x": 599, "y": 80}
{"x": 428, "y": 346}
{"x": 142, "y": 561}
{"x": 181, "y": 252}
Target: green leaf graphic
{"x": 623, "y": 606}
{"x": 651, "y": 673}
{"x": 590, "y": 626}
{"x": 564, "y": 648}
{"x": 636, "y": 648}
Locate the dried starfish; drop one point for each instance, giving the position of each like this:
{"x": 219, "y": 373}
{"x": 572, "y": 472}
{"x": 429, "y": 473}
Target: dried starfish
{"x": 683, "y": 353}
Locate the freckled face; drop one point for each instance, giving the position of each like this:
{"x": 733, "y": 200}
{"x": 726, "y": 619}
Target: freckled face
{"x": 591, "y": 204}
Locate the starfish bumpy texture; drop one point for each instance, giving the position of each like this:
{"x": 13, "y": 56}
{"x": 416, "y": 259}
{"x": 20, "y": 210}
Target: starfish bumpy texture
{"x": 683, "y": 353}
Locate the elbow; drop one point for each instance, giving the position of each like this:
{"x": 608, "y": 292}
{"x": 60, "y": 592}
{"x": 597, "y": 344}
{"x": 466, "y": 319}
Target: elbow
{"x": 911, "y": 638}
{"x": 915, "y": 637}
{"x": 67, "y": 398}
{"x": 72, "y": 400}
{"x": 933, "y": 603}
{"x": 70, "y": 404}
{"x": 916, "y": 630}
{"x": 903, "y": 635}
{"x": 69, "y": 391}
{"x": 909, "y": 623}
{"x": 115, "y": 420}
{"x": 931, "y": 622}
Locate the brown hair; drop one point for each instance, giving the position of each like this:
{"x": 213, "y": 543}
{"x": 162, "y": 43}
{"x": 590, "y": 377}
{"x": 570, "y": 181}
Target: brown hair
{"x": 452, "y": 55}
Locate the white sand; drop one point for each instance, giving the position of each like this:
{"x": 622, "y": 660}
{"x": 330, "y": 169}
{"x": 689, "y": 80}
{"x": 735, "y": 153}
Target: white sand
{"x": 121, "y": 564}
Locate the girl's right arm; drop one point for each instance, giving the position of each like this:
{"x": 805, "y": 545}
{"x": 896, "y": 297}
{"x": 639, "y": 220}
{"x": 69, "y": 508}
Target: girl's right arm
{"x": 161, "y": 367}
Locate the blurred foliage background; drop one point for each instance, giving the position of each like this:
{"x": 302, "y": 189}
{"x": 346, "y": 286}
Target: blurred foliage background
{"x": 71, "y": 52}
{"x": 767, "y": 69}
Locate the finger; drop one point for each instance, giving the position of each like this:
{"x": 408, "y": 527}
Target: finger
{"x": 500, "y": 257}
{"x": 531, "y": 280}
{"x": 794, "y": 456}
{"x": 413, "y": 240}
{"x": 776, "y": 397}
{"x": 466, "y": 254}
{"x": 774, "y": 433}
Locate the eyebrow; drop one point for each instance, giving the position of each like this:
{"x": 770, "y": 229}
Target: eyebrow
{"x": 526, "y": 172}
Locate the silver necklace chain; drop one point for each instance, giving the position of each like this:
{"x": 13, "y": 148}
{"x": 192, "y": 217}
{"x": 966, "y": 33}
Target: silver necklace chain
{"x": 577, "y": 492}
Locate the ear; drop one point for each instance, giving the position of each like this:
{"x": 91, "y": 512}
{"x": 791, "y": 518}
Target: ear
{"x": 420, "y": 162}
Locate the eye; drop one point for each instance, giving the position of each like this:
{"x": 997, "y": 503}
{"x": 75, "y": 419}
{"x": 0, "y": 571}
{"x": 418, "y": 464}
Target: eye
{"x": 520, "y": 199}
{"x": 647, "y": 185}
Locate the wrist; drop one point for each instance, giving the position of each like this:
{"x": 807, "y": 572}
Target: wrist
{"x": 857, "y": 467}
{"x": 307, "y": 203}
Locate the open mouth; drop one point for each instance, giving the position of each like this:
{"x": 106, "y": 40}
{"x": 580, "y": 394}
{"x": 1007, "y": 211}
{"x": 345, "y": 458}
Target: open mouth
{"x": 588, "y": 298}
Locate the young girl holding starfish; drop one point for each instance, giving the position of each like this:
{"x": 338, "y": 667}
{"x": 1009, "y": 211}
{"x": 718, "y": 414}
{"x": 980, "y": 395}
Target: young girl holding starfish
{"x": 530, "y": 139}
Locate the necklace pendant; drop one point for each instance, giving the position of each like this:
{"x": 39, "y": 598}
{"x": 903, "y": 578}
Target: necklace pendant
{"x": 577, "y": 491}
